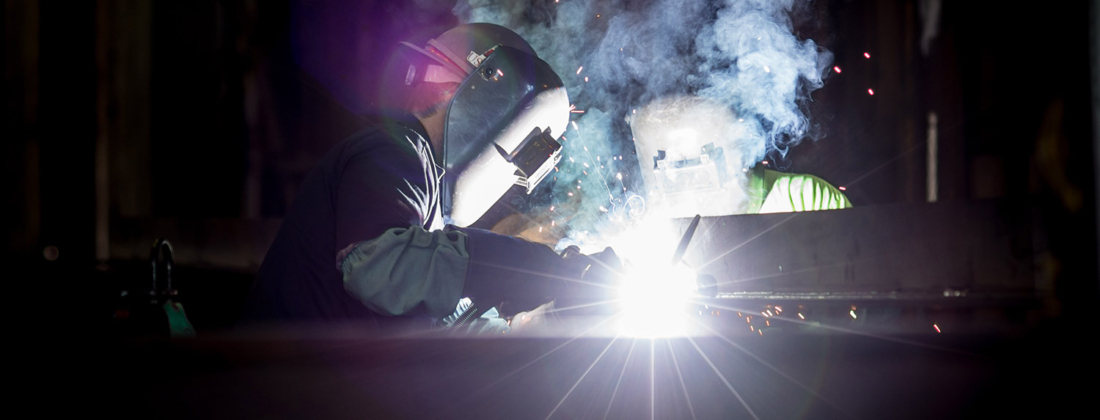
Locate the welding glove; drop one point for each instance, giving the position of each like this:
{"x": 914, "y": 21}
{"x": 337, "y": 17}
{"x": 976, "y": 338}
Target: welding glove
{"x": 516, "y": 275}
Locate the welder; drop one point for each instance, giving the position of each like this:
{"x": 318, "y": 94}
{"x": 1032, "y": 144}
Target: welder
{"x": 377, "y": 230}
{"x": 701, "y": 158}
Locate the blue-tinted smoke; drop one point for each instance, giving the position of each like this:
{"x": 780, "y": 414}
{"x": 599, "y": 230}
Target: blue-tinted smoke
{"x": 741, "y": 53}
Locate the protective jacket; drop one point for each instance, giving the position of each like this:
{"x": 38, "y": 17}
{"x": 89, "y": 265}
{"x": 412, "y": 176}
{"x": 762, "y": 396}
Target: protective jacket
{"x": 364, "y": 239}
{"x": 778, "y": 192}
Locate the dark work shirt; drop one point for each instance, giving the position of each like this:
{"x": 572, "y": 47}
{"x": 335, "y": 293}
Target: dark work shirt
{"x": 371, "y": 182}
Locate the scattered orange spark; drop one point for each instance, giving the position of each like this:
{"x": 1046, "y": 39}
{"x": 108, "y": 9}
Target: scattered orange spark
{"x": 577, "y": 111}
{"x": 867, "y": 55}
{"x": 800, "y": 315}
{"x": 836, "y": 69}
{"x": 842, "y": 188}
{"x": 579, "y": 69}
{"x": 871, "y": 91}
{"x": 937, "y": 327}
{"x": 586, "y": 79}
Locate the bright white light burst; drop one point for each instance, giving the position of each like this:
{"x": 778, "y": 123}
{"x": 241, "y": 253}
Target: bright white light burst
{"x": 654, "y": 293}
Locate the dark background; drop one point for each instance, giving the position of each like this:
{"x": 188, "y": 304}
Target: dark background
{"x": 128, "y": 120}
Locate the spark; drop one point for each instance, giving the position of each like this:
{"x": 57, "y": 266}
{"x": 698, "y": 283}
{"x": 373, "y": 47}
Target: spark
{"x": 571, "y": 159}
{"x": 867, "y": 55}
{"x": 619, "y": 176}
{"x": 852, "y": 313}
{"x": 836, "y": 69}
{"x": 575, "y": 126}
{"x": 766, "y": 322}
{"x": 570, "y": 194}
{"x": 555, "y": 170}
{"x": 871, "y": 92}
{"x": 582, "y": 377}
{"x": 767, "y": 69}
{"x": 585, "y": 148}
{"x": 579, "y": 69}
{"x": 540, "y": 229}
{"x": 578, "y": 187}
{"x": 585, "y": 173}
{"x": 586, "y": 165}
{"x": 586, "y": 79}
{"x": 764, "y": 162}
{"x": 761, "y": 332}
{"x": 801, "y": 316}
{"x": 842, "y": 188}
{"x": 577, "y": 111}
{"x": 551, "y": 208}
{"x": 603, "y": 209}
{"x": 597, "y": 15}
{"x": 937, "y": 327}
{"x": 723, "y": 378}
{"x": 772, "y": 367}
{"x": 553, "y": 223}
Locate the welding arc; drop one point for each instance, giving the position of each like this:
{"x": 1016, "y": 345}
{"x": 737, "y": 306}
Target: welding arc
{"x": 682, "y": 248}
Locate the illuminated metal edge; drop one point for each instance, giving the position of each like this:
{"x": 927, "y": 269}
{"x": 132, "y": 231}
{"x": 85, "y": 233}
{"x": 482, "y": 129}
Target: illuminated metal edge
{"x": 875, "y": 296}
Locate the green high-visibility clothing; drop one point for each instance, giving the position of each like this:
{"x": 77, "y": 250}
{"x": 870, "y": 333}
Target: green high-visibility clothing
{"x": 778, "y": 192}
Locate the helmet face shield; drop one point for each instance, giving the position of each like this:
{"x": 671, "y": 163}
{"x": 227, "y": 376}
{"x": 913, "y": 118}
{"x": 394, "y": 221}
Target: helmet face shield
{"x": 500, "y": 130}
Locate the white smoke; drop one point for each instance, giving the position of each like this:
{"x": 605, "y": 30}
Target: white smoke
{"x": 741, "y": 53}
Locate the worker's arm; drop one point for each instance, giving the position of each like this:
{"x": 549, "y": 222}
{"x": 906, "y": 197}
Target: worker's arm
{"x": 396, "y": 267}
{"x": 408, "y": 271}
{"x": 412, "y": 271}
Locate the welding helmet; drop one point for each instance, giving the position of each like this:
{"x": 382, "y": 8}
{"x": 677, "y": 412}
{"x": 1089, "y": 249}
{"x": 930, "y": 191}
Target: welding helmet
{"x": 502, "y": 123}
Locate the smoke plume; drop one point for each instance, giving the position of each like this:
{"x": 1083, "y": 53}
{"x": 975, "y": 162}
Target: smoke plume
{"x": 615, "y": 56}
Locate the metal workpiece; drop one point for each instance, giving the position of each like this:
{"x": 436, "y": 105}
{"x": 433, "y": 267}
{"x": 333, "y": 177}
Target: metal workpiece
{"x": 974, "y": 251}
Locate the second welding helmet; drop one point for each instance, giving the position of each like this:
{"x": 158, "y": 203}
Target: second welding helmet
{"x": 502, "y": 123}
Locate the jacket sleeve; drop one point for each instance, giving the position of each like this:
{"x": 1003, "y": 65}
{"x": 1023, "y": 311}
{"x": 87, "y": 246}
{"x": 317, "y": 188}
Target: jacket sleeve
{"x": 408, "y": 271}
{"x": 792, "y": 192}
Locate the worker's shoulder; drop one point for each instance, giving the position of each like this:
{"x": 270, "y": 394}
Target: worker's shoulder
{"x": 381, "y": 140}
{"x": 809, "y": 188}
{"x": 795, "y": 181}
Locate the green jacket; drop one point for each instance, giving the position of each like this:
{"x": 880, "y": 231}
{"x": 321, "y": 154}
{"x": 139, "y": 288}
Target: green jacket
{"x": 778, "y": 192}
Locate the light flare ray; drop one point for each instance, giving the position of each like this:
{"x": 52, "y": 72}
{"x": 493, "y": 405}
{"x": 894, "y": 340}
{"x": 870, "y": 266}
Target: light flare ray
{"x": 723, "y": 378}
{"x": 582, "y": 376}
